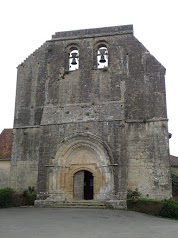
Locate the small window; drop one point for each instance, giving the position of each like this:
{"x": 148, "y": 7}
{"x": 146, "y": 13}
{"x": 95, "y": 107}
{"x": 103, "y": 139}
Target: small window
{"x": 73, "y": 59}
{"x": 102, "y": 57}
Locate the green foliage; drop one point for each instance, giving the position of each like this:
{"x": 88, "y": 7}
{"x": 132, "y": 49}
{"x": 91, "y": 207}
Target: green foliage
{"x": 169, "y": 209}
{"x": 18, "y": 200}
{"x": 174, "y": 176}
{"x": 145, "y": 205}
{"x": 133, "y": 194}
{"x": 6, "y": 195}
{"x": 30, "y": 195}
{"x": 9, "y": 198}
{"x": 164, "y": 208}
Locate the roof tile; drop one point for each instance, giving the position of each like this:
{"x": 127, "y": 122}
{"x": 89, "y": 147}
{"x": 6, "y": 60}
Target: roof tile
{"x": 6, "y": 144}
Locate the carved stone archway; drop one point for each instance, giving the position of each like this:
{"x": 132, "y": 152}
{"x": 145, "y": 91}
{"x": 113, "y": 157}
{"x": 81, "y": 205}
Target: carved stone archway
{"x": 81, "y": 152}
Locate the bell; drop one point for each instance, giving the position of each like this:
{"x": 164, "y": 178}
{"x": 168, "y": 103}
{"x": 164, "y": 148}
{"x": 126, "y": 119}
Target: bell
{"x": 74, "y": 62}
{"x": 102, "y": 60}
{"x": 102, "y": 53}
{"x": 74, "y": 55}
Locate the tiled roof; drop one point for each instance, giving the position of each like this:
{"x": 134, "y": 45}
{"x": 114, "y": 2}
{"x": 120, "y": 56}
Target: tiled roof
{"x": 6, "y": 144}
{"x": 173, "y": 161}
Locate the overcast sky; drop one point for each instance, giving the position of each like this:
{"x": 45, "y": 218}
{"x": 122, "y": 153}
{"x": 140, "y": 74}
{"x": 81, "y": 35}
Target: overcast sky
{"x": 25, "y": 25}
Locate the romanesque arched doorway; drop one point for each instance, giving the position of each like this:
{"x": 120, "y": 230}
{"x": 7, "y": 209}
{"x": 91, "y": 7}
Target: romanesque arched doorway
{"x": 83, "y": 185}
{"x": 81, "y": 170}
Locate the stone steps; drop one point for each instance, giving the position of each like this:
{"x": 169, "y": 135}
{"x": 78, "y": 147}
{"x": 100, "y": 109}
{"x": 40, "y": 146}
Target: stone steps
{"x": 70, "y": 204}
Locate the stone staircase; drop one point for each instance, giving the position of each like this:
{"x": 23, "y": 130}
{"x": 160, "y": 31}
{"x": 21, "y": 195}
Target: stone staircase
{"x": 71, "y": 204}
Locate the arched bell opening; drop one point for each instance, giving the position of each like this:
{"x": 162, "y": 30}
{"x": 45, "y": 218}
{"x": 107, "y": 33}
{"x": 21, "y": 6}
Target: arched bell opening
{"x": 73, "y": 59}
{"x": 102, "y": 56}
{"x": 83, "y": 185}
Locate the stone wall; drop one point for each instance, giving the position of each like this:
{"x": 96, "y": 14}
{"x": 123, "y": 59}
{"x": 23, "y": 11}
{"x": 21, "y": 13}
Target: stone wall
{"x": 5, "y": 155}
{"x": 25, "y": 157}
{"x": 4, "y": 173}
{"x": 148, "y": 167}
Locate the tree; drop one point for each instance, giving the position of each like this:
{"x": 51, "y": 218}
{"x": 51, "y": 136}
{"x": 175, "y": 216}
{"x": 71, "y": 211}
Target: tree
{"x": 174, "y": 175}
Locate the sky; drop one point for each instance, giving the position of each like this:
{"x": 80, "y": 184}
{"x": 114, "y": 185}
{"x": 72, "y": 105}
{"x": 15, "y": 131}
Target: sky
{"x": 26, "y": 25}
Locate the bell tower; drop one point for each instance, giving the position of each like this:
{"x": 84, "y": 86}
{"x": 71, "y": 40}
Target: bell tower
{"x": 90, "y": 119}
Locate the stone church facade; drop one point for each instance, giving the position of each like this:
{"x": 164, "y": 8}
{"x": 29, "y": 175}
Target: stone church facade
{"x": 90, "y": 119}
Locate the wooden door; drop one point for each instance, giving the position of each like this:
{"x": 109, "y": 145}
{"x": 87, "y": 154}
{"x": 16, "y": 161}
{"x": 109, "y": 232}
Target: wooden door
{"x": 79, "y": 185}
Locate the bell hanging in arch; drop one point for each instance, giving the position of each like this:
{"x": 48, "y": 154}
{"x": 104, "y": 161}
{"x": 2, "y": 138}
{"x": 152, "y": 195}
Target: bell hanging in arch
{"x": 74, "y": 56}
{"x": 102, "y": 53}
{"x": 102, "y": 60}
{"x": 74, "y": 62}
